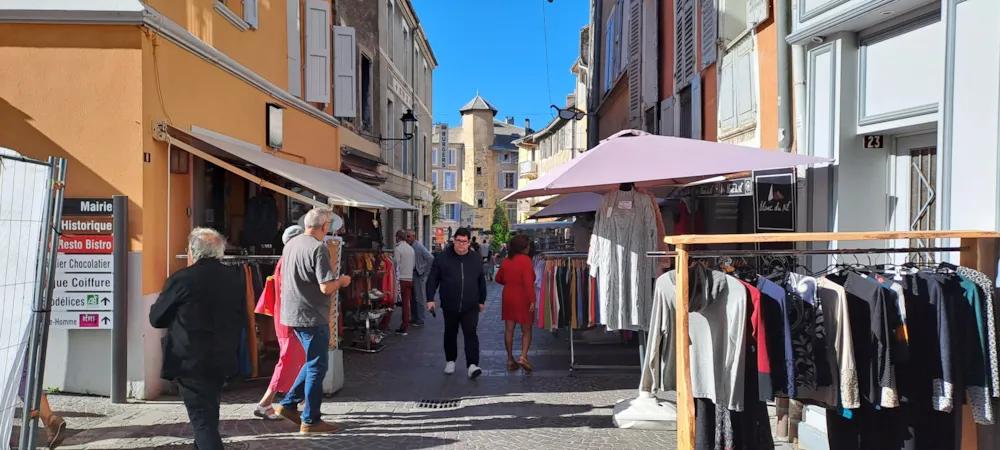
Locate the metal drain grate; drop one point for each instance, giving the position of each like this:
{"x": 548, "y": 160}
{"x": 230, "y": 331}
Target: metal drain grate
{"x": 438, "y": 404}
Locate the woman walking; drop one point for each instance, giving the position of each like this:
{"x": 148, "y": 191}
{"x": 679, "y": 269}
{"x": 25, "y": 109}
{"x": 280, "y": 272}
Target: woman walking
{"x": 517, "y": 275}
{"x": 55, "y": 426}
{"x": 291, "y": 356}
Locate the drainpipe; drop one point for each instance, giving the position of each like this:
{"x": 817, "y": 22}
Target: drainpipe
{"x": 783, "y": 23}
{"x": 594, "y": 96}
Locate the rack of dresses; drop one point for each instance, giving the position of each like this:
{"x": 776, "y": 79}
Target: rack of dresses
{"x": 371, "y": 297}
{"x": 253, "y": 350}
{"x": 568, "y": 298}
{"x": 892, "y": 351}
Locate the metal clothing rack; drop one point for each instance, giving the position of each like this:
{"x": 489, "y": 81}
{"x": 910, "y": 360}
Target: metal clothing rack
{"x": 242, "y": 257}
{"x": 573, "y": 366}
{"x": 978, "y": 250}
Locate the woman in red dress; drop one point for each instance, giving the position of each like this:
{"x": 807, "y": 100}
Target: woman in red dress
{"x": 517, "y": 275}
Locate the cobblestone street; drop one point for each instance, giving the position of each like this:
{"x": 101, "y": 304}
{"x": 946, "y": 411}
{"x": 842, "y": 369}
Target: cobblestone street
{"x": 379, "y": 406}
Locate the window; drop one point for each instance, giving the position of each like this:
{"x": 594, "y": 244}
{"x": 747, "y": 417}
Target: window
{"x": 390, "y": 132}
{"x": 512, "y": 212}
{"x": 407, "y": 148}
{"x": 390, "y": 18}
{"x": 423, "y": 167}
{"x": 366, "y": 93}
{"x": 435, "y": 162}
{"x": 434, "y": 179}
{"x": 452, "y": 211}
{"x": 404, "y": 65}
{"x": 508, "y": 180}
{"x": 613, "y": 51}
{"x": 503, "y": 157}
{"x": 450, "y": 180}
{"x": 479, "y": 170}
{"x": 451, "y": 157}
{"x": 480, "y": 199}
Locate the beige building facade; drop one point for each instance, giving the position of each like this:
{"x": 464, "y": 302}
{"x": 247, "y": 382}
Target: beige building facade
{"x": 475, "y": 165}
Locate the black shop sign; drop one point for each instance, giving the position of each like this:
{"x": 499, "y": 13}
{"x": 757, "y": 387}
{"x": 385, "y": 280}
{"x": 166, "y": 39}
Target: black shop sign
{"x": 87, "y": 207}
{"x": 774, "y": 200}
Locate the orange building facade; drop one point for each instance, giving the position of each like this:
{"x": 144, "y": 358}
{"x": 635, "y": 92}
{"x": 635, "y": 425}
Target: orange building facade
{"x": 134, "y": 94}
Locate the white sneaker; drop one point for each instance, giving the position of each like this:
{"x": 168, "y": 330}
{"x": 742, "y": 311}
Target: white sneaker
{"x": 475, "y": 371}
{"x": 449, "y": 368}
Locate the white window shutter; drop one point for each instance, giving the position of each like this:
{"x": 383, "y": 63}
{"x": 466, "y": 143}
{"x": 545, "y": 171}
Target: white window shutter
{"x": 345, "y": 96}
{"x": 709, "y": 32}
{"x": 634, "y": 44}
{"x": 250, "y": 13}
{"x": 756, "y": 12}
{"x": 727, "y": 94}
{"x": 609, "y": 54}
{"x": 667, "y": 117}
{"x": 318, "y": 51}
{"x": 294, "y": 48}
{"x": 696, "y": 117}
{"x": 650, "y": 54}
{"x": 499, "y": 179}
{"x": 745, "y": 89}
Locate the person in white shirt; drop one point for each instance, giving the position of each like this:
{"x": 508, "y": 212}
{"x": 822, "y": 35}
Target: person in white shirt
{"x": 405, "y": 261}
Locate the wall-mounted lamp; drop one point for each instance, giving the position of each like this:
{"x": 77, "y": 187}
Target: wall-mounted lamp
{"x": 275, "y": 125}
{"x": 408, "y": 120}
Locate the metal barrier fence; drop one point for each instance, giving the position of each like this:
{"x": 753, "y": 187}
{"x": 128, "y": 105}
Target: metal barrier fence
{"x": 31, "y": 195}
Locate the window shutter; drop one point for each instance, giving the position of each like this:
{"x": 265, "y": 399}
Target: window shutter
{"x": 727, "y": 97}
{"x": 294, "y": 48}
{"x": 634, "y": 43}
{"x": 434, "y": 156}
{"x": 345, "y": 97}
{"x": 609, "y": 53}
{"x": 667, "y": 117}
{"x": 744, "y": 87}
{"x": 696, "y": 117}
{"x": 317, "y": 51}
{"x": 709, "y": 32}
{"x": 624, "y": 34}
{"x": 756, "y": 12}
{"x": 686, "y": 46}
{"x": 499, "y": 179}
{"x": 650, "y": 54}
{"x": 250, "y": 13}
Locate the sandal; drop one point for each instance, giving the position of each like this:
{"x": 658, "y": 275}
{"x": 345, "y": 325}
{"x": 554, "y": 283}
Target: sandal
{"x": 525, "y": 364}
{"x": 56, "y": 430}
{"x": 512, "y": 366}
{"x": 265, "y": 412}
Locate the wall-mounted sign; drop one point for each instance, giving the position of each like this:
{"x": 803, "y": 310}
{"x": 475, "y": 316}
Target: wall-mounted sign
{"x": 98, "y": 320}
{"x": 874, "y": 141}
{"x": 83, "y": 297}
{"x": 774, "y": 200}
{"x": 732, "y": 188}
{"x": 87, "y": 225}
{"x": 87, "y": 207}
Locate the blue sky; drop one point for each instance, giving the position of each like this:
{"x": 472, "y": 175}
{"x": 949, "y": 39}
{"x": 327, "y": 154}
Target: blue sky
{"x": 498, "y": 48}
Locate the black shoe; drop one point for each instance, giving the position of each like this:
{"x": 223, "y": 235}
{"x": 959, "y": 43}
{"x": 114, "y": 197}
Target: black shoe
{"x": 417, "y": 324}
{"x": 401, "y": 332}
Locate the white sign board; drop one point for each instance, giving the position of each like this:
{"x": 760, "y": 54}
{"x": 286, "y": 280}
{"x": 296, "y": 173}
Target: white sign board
{"x": 97, "y": 320}
{"x": 84, "y": 281}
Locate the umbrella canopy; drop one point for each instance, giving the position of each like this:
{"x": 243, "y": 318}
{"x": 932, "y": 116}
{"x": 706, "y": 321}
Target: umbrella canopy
{"x": 571, "y": 204}
{"x": 633, "y": 156}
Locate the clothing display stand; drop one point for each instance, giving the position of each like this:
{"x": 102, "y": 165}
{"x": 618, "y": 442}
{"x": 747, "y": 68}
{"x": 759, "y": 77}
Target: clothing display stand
{"x": 334, "y": 379}
{"x": 978, "y": 250}
{"x": 370, "y": 311}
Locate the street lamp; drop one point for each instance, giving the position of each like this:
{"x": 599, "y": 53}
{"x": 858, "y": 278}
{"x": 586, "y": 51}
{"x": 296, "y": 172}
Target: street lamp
{"x": 574, "y": 114}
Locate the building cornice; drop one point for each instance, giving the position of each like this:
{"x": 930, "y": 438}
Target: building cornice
{"x": 124, "y": 13}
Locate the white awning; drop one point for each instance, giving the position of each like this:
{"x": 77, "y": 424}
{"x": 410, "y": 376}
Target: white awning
{"x": 339, "y": 188}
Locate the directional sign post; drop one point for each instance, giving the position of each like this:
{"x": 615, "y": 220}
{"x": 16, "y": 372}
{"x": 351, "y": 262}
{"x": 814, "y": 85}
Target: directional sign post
{"x": 83, "y": 297}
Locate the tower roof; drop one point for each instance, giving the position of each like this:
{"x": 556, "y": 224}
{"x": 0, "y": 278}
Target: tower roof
{"x": 478, "y": 104}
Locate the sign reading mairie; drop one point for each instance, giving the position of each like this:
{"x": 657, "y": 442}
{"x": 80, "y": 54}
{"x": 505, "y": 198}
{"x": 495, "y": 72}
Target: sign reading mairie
{"x": 87, "y": 207}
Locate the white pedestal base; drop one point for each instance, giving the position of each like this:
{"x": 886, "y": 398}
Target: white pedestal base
{"x": 334, "y": 379}
{"x": 645, "y": 413}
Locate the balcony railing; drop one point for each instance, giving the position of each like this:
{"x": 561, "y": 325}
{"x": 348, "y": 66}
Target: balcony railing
{"x": 528, "y": 169}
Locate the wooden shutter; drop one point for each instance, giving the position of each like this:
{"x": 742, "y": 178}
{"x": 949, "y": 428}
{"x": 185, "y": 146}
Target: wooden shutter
{"x": 709, "y": 32}
{"x": 727, "y": 94}
{"x": 743, "y": 83}
{"x": 686, "y": 44}
{"x": 250, "y": 13}
{"x": 318, "y": 51}
{"x": 634, "y": 42}
{"x": 696, "y": 118}
{"x": 294, "y": 48}
{"x": 609, "y": 53}
{"x": 667, "y": 117}
{"x": 650, "y": 54}
{"x": 345, "y": 94}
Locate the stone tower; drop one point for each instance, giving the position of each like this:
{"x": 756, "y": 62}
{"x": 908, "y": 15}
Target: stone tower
{"x": 478, "y": 136}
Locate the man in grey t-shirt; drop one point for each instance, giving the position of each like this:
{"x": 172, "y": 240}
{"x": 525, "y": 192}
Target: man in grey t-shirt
{"x": 307, "y": 287}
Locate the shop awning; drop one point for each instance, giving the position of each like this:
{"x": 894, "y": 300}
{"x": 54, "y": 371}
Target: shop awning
{"x": 361, "y": 171}
{"x": 339, "y": 188}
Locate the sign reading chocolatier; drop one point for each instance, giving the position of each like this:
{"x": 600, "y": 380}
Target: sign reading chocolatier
{"x": 774, "y": 200}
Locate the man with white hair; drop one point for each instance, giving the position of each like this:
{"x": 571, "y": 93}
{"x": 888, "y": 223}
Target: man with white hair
{"x": 203, "y": 308}
{"x": 307, "y": 288}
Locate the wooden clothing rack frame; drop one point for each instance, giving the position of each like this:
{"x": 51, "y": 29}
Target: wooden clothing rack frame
{"x": 978, "y": 250}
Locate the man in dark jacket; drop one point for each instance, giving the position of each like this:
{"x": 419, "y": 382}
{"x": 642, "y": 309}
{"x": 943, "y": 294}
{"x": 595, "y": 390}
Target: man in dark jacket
{"x": 458, "y": 272}
{"x": 203, "y": 308}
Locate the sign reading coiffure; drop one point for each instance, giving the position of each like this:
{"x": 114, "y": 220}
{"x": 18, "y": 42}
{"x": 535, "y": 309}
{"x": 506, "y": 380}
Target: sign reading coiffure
{"x": 774, "y": 200}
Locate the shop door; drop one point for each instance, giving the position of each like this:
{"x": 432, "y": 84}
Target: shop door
{"x": 912, "y": 201}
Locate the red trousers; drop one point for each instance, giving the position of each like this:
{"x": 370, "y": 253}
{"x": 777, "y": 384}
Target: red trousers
{"x": 405, "y": 291}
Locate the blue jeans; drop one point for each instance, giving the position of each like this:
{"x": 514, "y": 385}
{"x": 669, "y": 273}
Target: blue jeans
{"x": 308, "y": 386}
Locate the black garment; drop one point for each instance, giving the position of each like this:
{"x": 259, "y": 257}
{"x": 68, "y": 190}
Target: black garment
{"x": 468, "y": 321}
{"x": 461, "y": 280}
{"x": 202, "y": 397}
{"x": 802, "y": 324}
{"x": 261, "y": 221}
{"x": 774, "y": 323}
{"x": 203, "y": 308}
